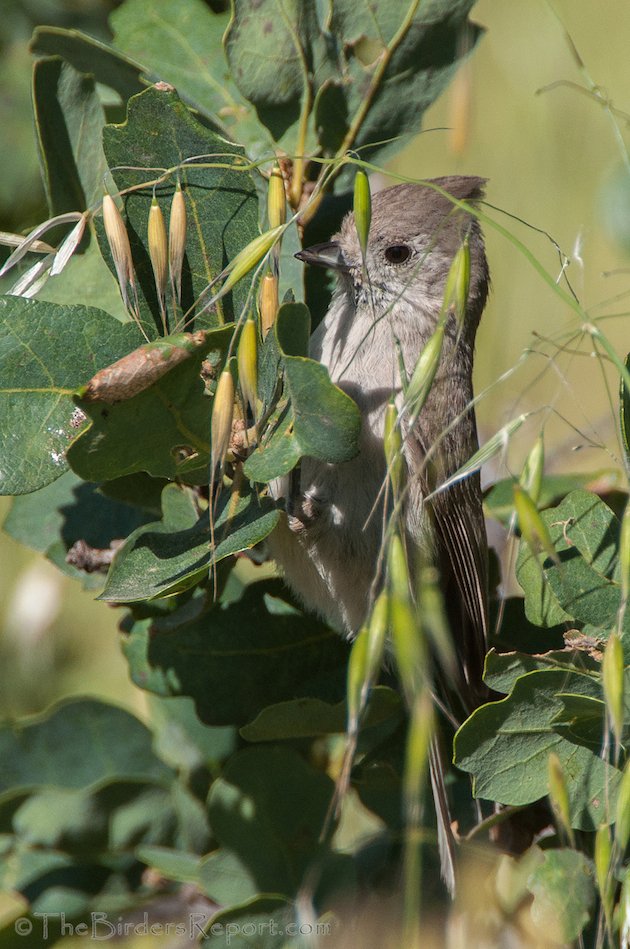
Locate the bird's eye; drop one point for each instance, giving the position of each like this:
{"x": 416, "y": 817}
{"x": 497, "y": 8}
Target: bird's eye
{"x": 397, "y": 253}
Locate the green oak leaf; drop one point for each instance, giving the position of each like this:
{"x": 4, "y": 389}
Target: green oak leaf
{"x": 175, "y": 553}
{"x": 282, "y": 57}
{"x": 69, "y": 121}
{"x": 585, "y": 585}
{"x": 268, "y": 807}
{"x": 563, "y": 887}
{"x": 501, "y": 670}
{"x": 221, "y": 202}
{"x": 68, "y": 510}
{"x": 180, "y": 42}
{"x": 313, "y": 417}
{"x": 46, "y": 352}
{"x": 225, "y": 879}
{"x": 505, "y": 746}
{"x": 309, "y": 718}
{"x": 499, "y": 499}
{"x": 236, "y": 661}
{"x": 90, "y": 56}
{"x": 77, "y": 745}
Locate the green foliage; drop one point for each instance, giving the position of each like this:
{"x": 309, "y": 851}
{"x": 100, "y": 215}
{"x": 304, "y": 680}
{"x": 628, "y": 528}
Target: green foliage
{"x": 106, "y": 446}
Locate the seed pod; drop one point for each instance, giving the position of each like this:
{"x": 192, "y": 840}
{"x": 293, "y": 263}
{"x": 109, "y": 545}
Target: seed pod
{"x": 222, "y": 415}
{"x": 622, "y": 816}
{"x": 533, "y": 469}
{"x": 532, "y": 526}
{"x": 118, "y": 241}
{"x": 558, "y": 794}
{"x": 158, "y": 252}
{"x": 458, "y": 283}
{"x": 612, "y": 680}
{"x": 392, "y": 445}
{"x": 247, "y": 360}
{"x": 268, "y": 302}
{"x": 247, "y": 258}
{"x": 362, "y": 207}
{"x": 424, "y": 373}
{"x": 177, "y": 241}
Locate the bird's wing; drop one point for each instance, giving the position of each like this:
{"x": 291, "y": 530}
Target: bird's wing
{"x": 458, "y": 527}
{"x": 461, "y": 535}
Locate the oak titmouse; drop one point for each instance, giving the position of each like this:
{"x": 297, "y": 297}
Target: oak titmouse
{"x": 384, "y": 307}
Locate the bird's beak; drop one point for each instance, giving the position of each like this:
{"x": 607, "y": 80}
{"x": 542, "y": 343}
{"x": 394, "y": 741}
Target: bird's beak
{"x": 324, "y": 255}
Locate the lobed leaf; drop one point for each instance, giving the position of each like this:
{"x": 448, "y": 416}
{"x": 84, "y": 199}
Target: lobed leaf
{"x": 563, "y": 887}
{"x": 77, "y": 745}
{"x": 235, "y": 662}
{"x": 46, "y": 351}
{"x": 505, "y": 746}
{"x": 176, "y": 552}
{"x": 69, "y": 121}
{"x": 160, "y": 132}
{"x": 314, "y": 417}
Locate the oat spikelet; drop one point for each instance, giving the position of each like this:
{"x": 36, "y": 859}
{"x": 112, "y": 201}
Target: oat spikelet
{"x": 268, "y": 302}
{"x": 158, "y": 252}
{"x": 247, "y": 360}
{"x": 177, "y": 242}
{"x": 222, "y": 415}
{"x": 118, "y": 241}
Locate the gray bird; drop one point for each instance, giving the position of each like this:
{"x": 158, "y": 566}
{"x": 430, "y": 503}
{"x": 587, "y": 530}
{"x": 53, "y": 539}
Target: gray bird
{"x": 329, "y": 546}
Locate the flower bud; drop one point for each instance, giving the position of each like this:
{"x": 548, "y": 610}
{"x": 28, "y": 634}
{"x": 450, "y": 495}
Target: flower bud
{"x": 362, "y": 208}
{"x": 177, "y": 241}
{"x": 247, "y": 360}
{"x": 268, "y": 302}
{"x": 398, "y": 573}
{"x": 222, "y": 415}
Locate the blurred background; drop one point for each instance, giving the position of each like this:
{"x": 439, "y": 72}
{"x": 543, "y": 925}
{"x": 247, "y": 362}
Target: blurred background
{"x": 555, "y": 159}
